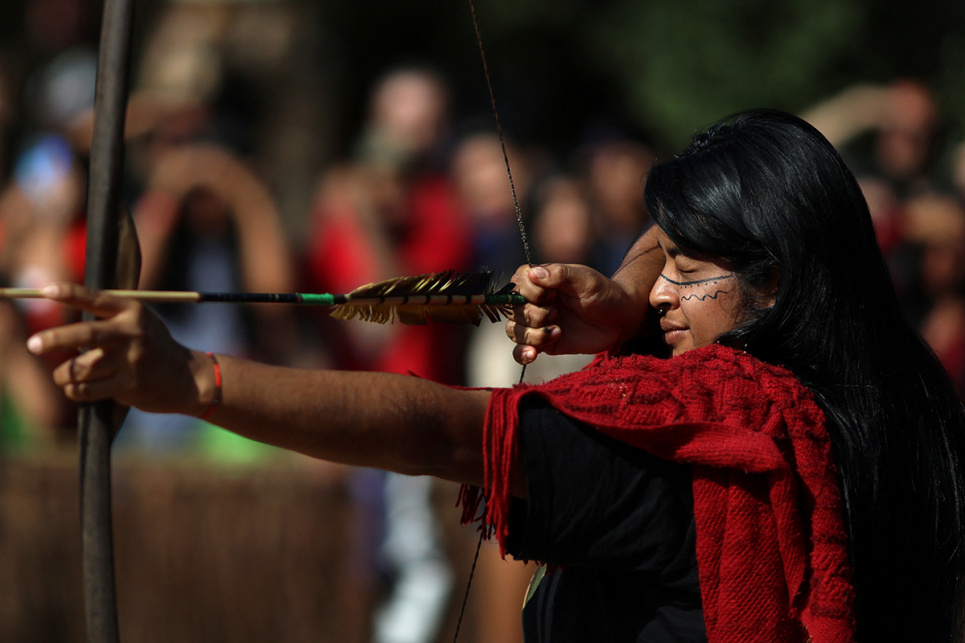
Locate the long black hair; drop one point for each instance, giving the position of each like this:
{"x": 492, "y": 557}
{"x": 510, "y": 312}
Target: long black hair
{"x": 767, "y": 192}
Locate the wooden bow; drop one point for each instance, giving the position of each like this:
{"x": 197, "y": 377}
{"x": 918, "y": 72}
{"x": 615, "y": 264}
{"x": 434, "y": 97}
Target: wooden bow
{"x": 109, "y": 235}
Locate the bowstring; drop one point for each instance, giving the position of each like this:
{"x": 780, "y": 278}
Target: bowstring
{"x": 529, "y": 260}
{"x": 502, "y": 145}
{"x": 502, "y": 139}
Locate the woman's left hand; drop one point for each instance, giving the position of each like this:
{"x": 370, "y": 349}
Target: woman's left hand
{"x": 128, "y": 355}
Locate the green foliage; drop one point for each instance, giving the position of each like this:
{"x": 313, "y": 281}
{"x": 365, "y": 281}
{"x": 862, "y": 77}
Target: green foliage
{"x": 685, "y": 64}
{"x": 677, "y": 66}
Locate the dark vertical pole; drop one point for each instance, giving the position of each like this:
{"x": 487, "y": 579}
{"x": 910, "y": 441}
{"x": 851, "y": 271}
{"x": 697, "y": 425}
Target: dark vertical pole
{"x": 96, "y": 430}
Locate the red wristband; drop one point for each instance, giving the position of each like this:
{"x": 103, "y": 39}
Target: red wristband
{"x": 216, "y": 402}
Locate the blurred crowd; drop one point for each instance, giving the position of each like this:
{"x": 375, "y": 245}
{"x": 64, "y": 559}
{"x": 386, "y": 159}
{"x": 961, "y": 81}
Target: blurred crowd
{"x": 422, "y": 189}
{"x": 419, "y": 189}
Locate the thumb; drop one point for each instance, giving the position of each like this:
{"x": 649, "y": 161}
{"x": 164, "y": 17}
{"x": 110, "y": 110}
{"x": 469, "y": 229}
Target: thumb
{"x": 540, "y": 275}
{"x": 570, "y": 279}
{"x": 551, "y": 275}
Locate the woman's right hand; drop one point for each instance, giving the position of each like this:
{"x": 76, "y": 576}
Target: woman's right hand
{"x": 575, "y": 309}
{"x": 571, "y": 309}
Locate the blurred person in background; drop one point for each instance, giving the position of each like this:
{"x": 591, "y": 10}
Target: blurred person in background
{"x": 43, "y": 220}
{"x": 207, "y": 222}
{"x": 388, "y": 211}
{"x": 256, "y": 67}
{"x": 887, "y": 131}
{"x": 615, "y": 171}
{"x": 391, "y": 210}
{"x": 478, "y": 171}
{"x": 563, "y": 224}
{"x": 890, "y": 137}
{"x": 934, "y": 293}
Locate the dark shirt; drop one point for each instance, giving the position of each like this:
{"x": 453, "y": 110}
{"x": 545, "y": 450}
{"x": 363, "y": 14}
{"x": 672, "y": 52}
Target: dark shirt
{"x": 616, "y": 525}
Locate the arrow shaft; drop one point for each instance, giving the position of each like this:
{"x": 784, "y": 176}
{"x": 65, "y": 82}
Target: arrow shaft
{"x": 319, "y": 299}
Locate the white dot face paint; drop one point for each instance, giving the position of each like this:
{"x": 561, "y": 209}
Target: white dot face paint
{"x": 698, "y": 298}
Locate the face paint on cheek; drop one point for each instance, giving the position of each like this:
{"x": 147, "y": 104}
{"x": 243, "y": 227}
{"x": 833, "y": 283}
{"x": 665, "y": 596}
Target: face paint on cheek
{"x": 701, "y": 289}
{"x": 703, "y": 311}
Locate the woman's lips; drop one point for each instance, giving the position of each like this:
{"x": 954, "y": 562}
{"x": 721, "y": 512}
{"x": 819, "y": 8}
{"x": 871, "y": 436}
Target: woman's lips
{"x": 671, "y": 332}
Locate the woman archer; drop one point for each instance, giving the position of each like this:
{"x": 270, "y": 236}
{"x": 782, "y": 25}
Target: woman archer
{"x": 790, "y": 472}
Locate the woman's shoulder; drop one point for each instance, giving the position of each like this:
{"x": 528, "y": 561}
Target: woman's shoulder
{"x": 714, "y": 360}
{"x": 713, "y": 371}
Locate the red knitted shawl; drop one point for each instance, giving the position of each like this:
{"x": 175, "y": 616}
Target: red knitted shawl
{"x": 771, "y": 544}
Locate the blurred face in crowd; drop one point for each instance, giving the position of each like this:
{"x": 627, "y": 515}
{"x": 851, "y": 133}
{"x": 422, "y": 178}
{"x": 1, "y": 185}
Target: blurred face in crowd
{"x": 409, "y": 110}
{"x": 937, "y": 224}
{"x": 905, "y": 141}
{"x": 562, "y": 229}
{"x": 479, "y": 172}
{"x": 617, "y": 173}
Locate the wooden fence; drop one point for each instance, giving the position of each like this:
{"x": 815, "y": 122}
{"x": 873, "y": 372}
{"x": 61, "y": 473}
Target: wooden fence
{"x": 202, "y": 553}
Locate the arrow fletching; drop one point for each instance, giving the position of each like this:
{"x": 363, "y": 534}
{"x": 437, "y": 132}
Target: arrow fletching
{"x": 447, "y": 297}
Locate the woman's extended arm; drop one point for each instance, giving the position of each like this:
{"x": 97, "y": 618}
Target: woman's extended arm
{"x": 392, "y": 422}
{"x": 387, "y": 421}
{"x": 575, "y": 309}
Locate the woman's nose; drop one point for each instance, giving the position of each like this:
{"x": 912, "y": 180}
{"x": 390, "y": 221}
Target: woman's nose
{"x": 663, "y": 295}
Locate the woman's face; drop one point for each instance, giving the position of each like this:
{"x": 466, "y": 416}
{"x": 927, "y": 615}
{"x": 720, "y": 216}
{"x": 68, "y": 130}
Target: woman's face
{"x": 697, "y": 297}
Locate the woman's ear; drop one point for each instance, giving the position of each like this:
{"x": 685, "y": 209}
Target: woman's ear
{"x": 770, "y": 289}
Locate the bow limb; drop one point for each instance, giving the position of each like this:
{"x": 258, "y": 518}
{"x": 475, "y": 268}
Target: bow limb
{"x": 105, "y": 232}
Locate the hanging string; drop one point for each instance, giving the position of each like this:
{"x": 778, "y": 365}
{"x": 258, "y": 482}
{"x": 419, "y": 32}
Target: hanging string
{"x": 529, "y": 260}
{"x": 465, "y": 596}
{"x": 502, "y": 144}
{"x": 502, "y": 139}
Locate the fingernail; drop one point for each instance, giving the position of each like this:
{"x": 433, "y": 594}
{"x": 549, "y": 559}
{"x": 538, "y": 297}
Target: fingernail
{"x": 540, "y": 272}
{"x": 50, "y": 290}
{"x": 35, "y": 345}
{"x": 529, "y": 355}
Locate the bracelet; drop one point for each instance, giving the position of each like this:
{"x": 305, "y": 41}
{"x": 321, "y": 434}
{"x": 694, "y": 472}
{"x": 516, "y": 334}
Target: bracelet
{"x": 216, "y": 402}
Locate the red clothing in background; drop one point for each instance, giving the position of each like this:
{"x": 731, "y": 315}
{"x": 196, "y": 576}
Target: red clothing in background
{"x": 434, "y": 237}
